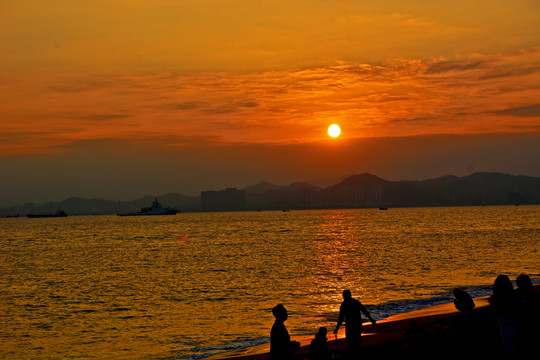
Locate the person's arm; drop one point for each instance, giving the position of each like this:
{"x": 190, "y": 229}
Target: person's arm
{"x": 364, "y": 310}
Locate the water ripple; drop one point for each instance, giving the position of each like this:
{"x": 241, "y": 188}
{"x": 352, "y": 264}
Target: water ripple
{"x": 186, "y": 286}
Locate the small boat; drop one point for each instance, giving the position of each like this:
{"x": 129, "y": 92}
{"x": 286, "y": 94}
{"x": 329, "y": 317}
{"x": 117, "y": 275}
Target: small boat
{"x": 59, "y": 213}
{"x": 155, "y": 209}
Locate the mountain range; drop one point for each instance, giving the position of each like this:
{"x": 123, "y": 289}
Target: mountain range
{"x": 356, "y": 191}
{"x": 367, "y": 190}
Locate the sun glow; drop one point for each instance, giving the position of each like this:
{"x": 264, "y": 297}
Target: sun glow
{"x": 334, "y": 130}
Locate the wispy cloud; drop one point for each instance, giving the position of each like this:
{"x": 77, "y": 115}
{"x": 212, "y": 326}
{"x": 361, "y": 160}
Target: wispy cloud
{"x": 523, "y": 111}
{"x": 453, "y": 66}
{"x": 401, "y": 97}
{"x": 100, "y": 117}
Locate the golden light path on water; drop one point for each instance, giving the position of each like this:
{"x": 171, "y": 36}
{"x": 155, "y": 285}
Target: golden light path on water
{"x": 193, "y": 284}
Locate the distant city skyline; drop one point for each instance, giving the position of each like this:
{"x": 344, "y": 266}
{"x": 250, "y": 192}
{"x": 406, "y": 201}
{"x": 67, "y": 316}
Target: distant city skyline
{"x": 355, "y": 191}
{"x": 116, "y": 100}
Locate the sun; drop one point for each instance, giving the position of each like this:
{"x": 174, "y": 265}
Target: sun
{"x": 334, "y": 130}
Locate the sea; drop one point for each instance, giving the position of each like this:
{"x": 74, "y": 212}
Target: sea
{"x": 190, "y": 285}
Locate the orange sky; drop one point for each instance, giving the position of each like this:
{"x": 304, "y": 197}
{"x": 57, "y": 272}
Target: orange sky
{"x": 102, "y": 82}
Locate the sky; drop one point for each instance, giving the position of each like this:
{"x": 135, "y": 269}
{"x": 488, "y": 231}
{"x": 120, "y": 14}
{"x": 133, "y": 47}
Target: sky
{"x": 120, "y": 99}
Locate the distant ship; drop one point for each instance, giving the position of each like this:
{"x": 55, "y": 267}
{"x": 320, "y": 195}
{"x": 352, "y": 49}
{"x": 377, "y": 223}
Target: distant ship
{"x": 59, "y": 213}
{"x": 155, "y": 209}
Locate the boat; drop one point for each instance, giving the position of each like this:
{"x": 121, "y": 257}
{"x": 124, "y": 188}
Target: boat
{"x": 155, "y": 209}
{"x": 59, "y": 213}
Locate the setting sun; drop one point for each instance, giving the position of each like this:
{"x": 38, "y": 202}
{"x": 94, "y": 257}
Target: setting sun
{"x": 334, "y": 130}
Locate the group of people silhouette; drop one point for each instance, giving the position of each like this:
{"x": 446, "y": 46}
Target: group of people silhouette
{"x": 514, "y": 312}
{"x": 517, "y": 313}
{"x": 282, "y": 348}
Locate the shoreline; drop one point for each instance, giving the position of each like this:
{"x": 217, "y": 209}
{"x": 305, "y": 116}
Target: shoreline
{"x": 448, "y": 329}
{"x": 5, "y": 213}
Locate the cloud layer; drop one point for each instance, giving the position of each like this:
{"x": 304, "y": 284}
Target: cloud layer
{"x": 402, "y": 97}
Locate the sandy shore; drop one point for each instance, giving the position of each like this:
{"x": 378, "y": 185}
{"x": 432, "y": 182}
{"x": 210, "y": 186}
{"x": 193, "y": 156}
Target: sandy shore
{"x": 445, "y": 329}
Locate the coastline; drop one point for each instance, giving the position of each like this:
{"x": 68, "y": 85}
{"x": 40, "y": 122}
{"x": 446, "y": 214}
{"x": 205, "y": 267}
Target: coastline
{"x": 448, "y": 329}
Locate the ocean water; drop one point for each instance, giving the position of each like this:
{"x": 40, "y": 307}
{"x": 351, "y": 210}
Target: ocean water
{"x": 194, "y": 284}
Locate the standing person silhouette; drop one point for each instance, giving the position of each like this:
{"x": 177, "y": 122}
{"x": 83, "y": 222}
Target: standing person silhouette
{"x": 528, "y": 315}
{"x": 281, "y": 346}
{"x": 350, "y": 312}
{"x": 506, "y": 306}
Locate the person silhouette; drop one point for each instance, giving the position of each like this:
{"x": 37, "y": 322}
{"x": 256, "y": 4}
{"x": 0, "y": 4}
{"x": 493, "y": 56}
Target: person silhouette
{"x": 528, "y": 315}
{"x": 350, "y": 311}
{"x": 464, "y": 328}
{"x": 525, "y": 289}
{"x": 463, "y": 301}
{"x": 319, "y": 349}
{"x": 281, "y": 346}
{"x": 504, "y": 300}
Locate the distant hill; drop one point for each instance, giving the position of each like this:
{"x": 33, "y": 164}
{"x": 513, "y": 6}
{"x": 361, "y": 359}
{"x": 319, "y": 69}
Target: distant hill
{"x": 367, "y": 190}
{"x": 299, "y": 186}
{"x": 80, "y": 206}
{"x": 261, "y": 187}
{"x": 482, "y": 189}
{"x": 356, "y": 191}
{"x": 327, "y": 182}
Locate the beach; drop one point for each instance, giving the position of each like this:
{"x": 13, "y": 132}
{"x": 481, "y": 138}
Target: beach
{"x": 446, "y": 329}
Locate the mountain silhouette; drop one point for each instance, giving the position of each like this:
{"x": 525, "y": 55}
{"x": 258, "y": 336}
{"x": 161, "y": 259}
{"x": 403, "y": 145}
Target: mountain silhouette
{"x": 80, "y": 206}
{"x": 368, "y": 190}
{"x": 356, "y": 191}
{"x": 362, "y": 180}
{"x": 261, "y": 187}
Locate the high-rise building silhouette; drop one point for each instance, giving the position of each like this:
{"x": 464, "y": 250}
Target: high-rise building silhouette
{"x": 229, "y": 199}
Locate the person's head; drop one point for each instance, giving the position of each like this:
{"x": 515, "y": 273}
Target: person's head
{"x": 463, "y": 300}
{"x": 524, "y": 284}
{"x": 322, "y": 333}
{"x": 502, "y": 287}
{"x": 280, "y": 313}
{"x": 461, "y": 295}
{"x": 347, "y": 294}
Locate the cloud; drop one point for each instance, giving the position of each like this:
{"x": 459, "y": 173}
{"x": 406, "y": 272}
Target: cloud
{"x": 249, "y": 104}
{"x": 446, "y": 66}
{"x": 186, "y": 105}
{"x": 400, "y": 97}
{"x": 82, "y": 85}
{"x": 159, "y": 143}
{"x": 512, "y": 73}
{"x": 521, "y": 111}
{"x": 100, "y": 117}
